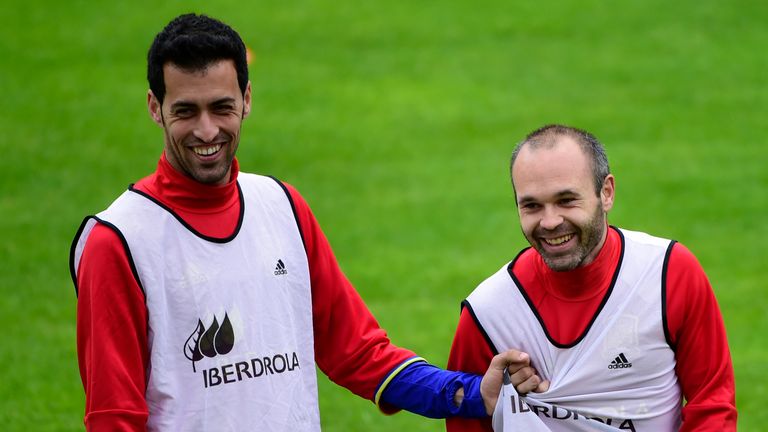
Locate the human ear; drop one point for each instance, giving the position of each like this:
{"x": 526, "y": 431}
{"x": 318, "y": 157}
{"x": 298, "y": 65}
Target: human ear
{"x": 247, "y": 100}
{"x": 608, "y": 192}
{"x": 155, "y": 108}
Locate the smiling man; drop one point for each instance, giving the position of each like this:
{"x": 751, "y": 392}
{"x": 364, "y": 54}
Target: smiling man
{"x": 617, "y": 326}
{"x": 207, "y": 296}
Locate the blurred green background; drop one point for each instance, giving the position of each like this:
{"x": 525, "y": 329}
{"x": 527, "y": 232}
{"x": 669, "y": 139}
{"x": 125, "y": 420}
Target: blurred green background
{"x": 395, "y": 120}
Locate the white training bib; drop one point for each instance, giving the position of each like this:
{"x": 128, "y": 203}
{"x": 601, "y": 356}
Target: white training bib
{"x": 620, "y": 373}
{"x": 230, "y": 320}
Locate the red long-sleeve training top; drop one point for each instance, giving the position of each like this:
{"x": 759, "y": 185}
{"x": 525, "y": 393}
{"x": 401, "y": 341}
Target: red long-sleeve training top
{"x": 112, "y": 315}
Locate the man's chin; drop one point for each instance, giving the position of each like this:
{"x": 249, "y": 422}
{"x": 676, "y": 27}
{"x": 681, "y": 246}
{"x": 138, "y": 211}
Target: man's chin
{"x": 561, "y": 264}
{"x": 212, "y": 178}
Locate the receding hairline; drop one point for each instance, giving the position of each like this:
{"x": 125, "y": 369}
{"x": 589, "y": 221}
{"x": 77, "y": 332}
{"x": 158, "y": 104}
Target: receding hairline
{"x": 552, "y": 135}
{"x": 550, "y": 141}
{"x": 554, "y": 144}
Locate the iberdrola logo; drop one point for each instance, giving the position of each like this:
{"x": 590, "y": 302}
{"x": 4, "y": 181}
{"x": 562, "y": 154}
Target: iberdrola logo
{"x": 218, "y": 339}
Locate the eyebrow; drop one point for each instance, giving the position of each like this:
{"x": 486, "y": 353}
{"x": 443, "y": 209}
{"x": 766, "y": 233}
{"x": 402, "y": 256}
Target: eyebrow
{"x": 182, "y": 104}
{"x": 525, "y": 199}
{"x": 223, "y": 101}
{"x": 187, "y": 104}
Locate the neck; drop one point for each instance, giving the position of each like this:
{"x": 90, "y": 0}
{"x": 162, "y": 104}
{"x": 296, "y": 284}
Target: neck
{"x": 592, "y": 255}
{"x": 589, "y": 278}
{"x": 181, "y": 192}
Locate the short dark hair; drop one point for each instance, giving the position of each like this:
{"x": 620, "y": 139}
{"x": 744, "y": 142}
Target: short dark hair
{"x": 194, "y": 42}
{"x": 546, "y": 136}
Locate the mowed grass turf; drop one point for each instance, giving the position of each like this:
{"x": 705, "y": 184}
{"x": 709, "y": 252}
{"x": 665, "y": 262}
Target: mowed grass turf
{"x": 396, "y": 121}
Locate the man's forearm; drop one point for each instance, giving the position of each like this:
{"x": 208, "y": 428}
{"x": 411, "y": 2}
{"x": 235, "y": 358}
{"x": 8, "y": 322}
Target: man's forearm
{"x": 432, "y": 392}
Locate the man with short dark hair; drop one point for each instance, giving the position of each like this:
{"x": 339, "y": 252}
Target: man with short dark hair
{"x": 615, "y": 327}
{"x": 207, "y": 295}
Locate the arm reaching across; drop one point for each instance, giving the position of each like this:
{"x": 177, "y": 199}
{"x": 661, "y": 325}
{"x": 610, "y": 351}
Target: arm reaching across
{"x": 523, "y": 377}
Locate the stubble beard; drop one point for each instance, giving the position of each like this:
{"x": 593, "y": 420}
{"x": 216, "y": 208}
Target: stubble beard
{"x": 589, "y": 235}
{"x": 201, "y": 175}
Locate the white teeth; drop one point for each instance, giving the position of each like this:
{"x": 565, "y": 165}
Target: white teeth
{"x": 559, "y": 240}
{"x": 207, "y": 151}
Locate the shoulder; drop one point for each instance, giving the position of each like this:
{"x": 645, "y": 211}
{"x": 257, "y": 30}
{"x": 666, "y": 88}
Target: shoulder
{"x": 685, "y": 276}
{"x": 103, "y": 235}
{"x": 255, "y": 185}
{"x": 101, "y": 240}
{"x": 251, "y": 180}
{"x": 100, "y": 254}
{"x": 308, "y": 225}
{"x": 301, "y": 209}
{"x": 682, "y": 258}
{"x": 498, "y": 287}
{"x": 293, "y": 194}
{"x": 644, "y": 242}
{"x": 525, "y": 262}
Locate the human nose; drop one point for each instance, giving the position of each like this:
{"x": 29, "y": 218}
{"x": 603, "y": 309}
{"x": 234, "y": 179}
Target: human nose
{"x": 206, "y": 129}
{"x": 550, "y": 219}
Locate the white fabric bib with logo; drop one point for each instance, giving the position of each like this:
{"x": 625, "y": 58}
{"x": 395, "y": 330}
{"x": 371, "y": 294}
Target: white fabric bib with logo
{"x": 620, "y": 374}
{"x": 230, "y": 321}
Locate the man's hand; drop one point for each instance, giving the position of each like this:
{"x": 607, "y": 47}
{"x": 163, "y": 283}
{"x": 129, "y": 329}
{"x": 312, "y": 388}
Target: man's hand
{"x": 522, "y": 374}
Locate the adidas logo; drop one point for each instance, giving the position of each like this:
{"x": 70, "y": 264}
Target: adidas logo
{"x": 620, "y": 362}
{"x": 280, "y": 268}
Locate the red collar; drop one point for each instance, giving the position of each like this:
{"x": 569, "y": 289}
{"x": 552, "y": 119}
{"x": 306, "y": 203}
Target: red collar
{"x": 584, "y": 282}
{"x": 185, "y": 195}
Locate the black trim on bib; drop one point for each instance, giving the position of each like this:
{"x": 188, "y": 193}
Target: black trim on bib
{"x": 72, "y": 247}
{"x": 664, "y": 321}
{"x": 123, "y": 241}
{"x": 189, "y": 227}
{"x": 465, "y": 304}
{"x": 597, "y": 312}
{"x": 293, "y": 209}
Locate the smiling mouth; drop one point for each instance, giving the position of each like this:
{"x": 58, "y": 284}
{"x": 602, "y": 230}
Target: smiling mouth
{"x": 557, "y": 241}
{"x": 207, "y": 150}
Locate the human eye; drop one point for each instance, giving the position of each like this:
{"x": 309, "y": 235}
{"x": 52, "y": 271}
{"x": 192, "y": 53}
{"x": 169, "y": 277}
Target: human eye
{"x": 568, "y": 198}
{"x": 223, "y": 109}
{"x": 530, "y": 206}
{"x": 183, "y": 112}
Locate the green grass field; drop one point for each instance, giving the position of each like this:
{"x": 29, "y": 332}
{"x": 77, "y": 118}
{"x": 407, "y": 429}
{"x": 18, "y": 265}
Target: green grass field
{"x": 395, "y": 120}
